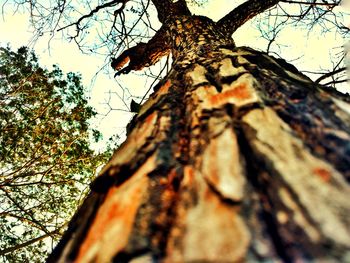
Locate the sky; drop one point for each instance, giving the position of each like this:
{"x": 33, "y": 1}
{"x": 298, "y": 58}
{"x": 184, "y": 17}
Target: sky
{"x": 15, "y": 30}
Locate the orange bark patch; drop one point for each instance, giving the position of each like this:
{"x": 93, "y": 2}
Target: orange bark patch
{"x": 322, "y": 173}
{"x": 119, "y": 65}
{"x": 172, "y": 175}
{"x": 188, "y": 24}
{"x": 164, "y": 88}
{"x": 150, "y": 119}
{"x": 168, "y": 195}
{"x": 114, "y": 216}
{"x": 177, "y": 41}
{"x": 188, "y": 175}
{"x": 110, "y": 230}
{"x": 241, "y": 92}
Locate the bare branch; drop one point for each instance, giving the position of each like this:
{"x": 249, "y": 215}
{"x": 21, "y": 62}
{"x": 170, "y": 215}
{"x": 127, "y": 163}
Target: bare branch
{"x": 329, "y": 74}
{"x": 241, "y": 14}
{"x": 27, "y": 243}
{"x": 311, "y": 3}
{"x": 333, "y": 82}
{"x": 95, "y": 10}
{"x": 143, "y": 55}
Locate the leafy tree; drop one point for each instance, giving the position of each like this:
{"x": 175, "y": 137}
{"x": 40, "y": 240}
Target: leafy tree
{"x": 45, "y": 160}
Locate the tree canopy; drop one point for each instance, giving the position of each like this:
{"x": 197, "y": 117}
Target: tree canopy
{"x": 46, "y": 163}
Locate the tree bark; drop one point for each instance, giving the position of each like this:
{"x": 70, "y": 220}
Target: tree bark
{"x": 236, "y": 156}
{"x": 241, "y": 14}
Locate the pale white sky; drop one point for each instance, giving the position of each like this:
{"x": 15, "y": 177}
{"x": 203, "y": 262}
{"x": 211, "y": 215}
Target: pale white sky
{"x": 14, "y": 29}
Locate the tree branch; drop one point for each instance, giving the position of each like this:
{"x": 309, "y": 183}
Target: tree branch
{"x": 27, "y": 243}
{"x": 310, "y": 3}
{"x": 241, "y": 14}
{"x": 95, "y": 10}
{"x": 143, "y": 55}
{"x": 329, "y": 74}
{"x": 39, "y": 225}
{"x": 336, "y": 82}
{"x": 147, "y": 54}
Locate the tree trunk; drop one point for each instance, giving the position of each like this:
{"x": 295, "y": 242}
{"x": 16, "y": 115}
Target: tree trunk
{"x": 235, "y": 156}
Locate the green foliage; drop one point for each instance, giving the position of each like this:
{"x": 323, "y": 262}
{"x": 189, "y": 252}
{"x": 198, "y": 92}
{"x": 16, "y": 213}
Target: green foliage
{"x": 46, "y": 164}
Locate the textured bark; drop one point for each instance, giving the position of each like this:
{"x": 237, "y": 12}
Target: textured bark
{"x": 167, "y": 9}
{"x": 236, "y": 156}
{"x": 244, "y": 12}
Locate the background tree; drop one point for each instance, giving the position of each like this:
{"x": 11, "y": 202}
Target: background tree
{"x": 46, "y": 164}
{"x": 236, "y": 155}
